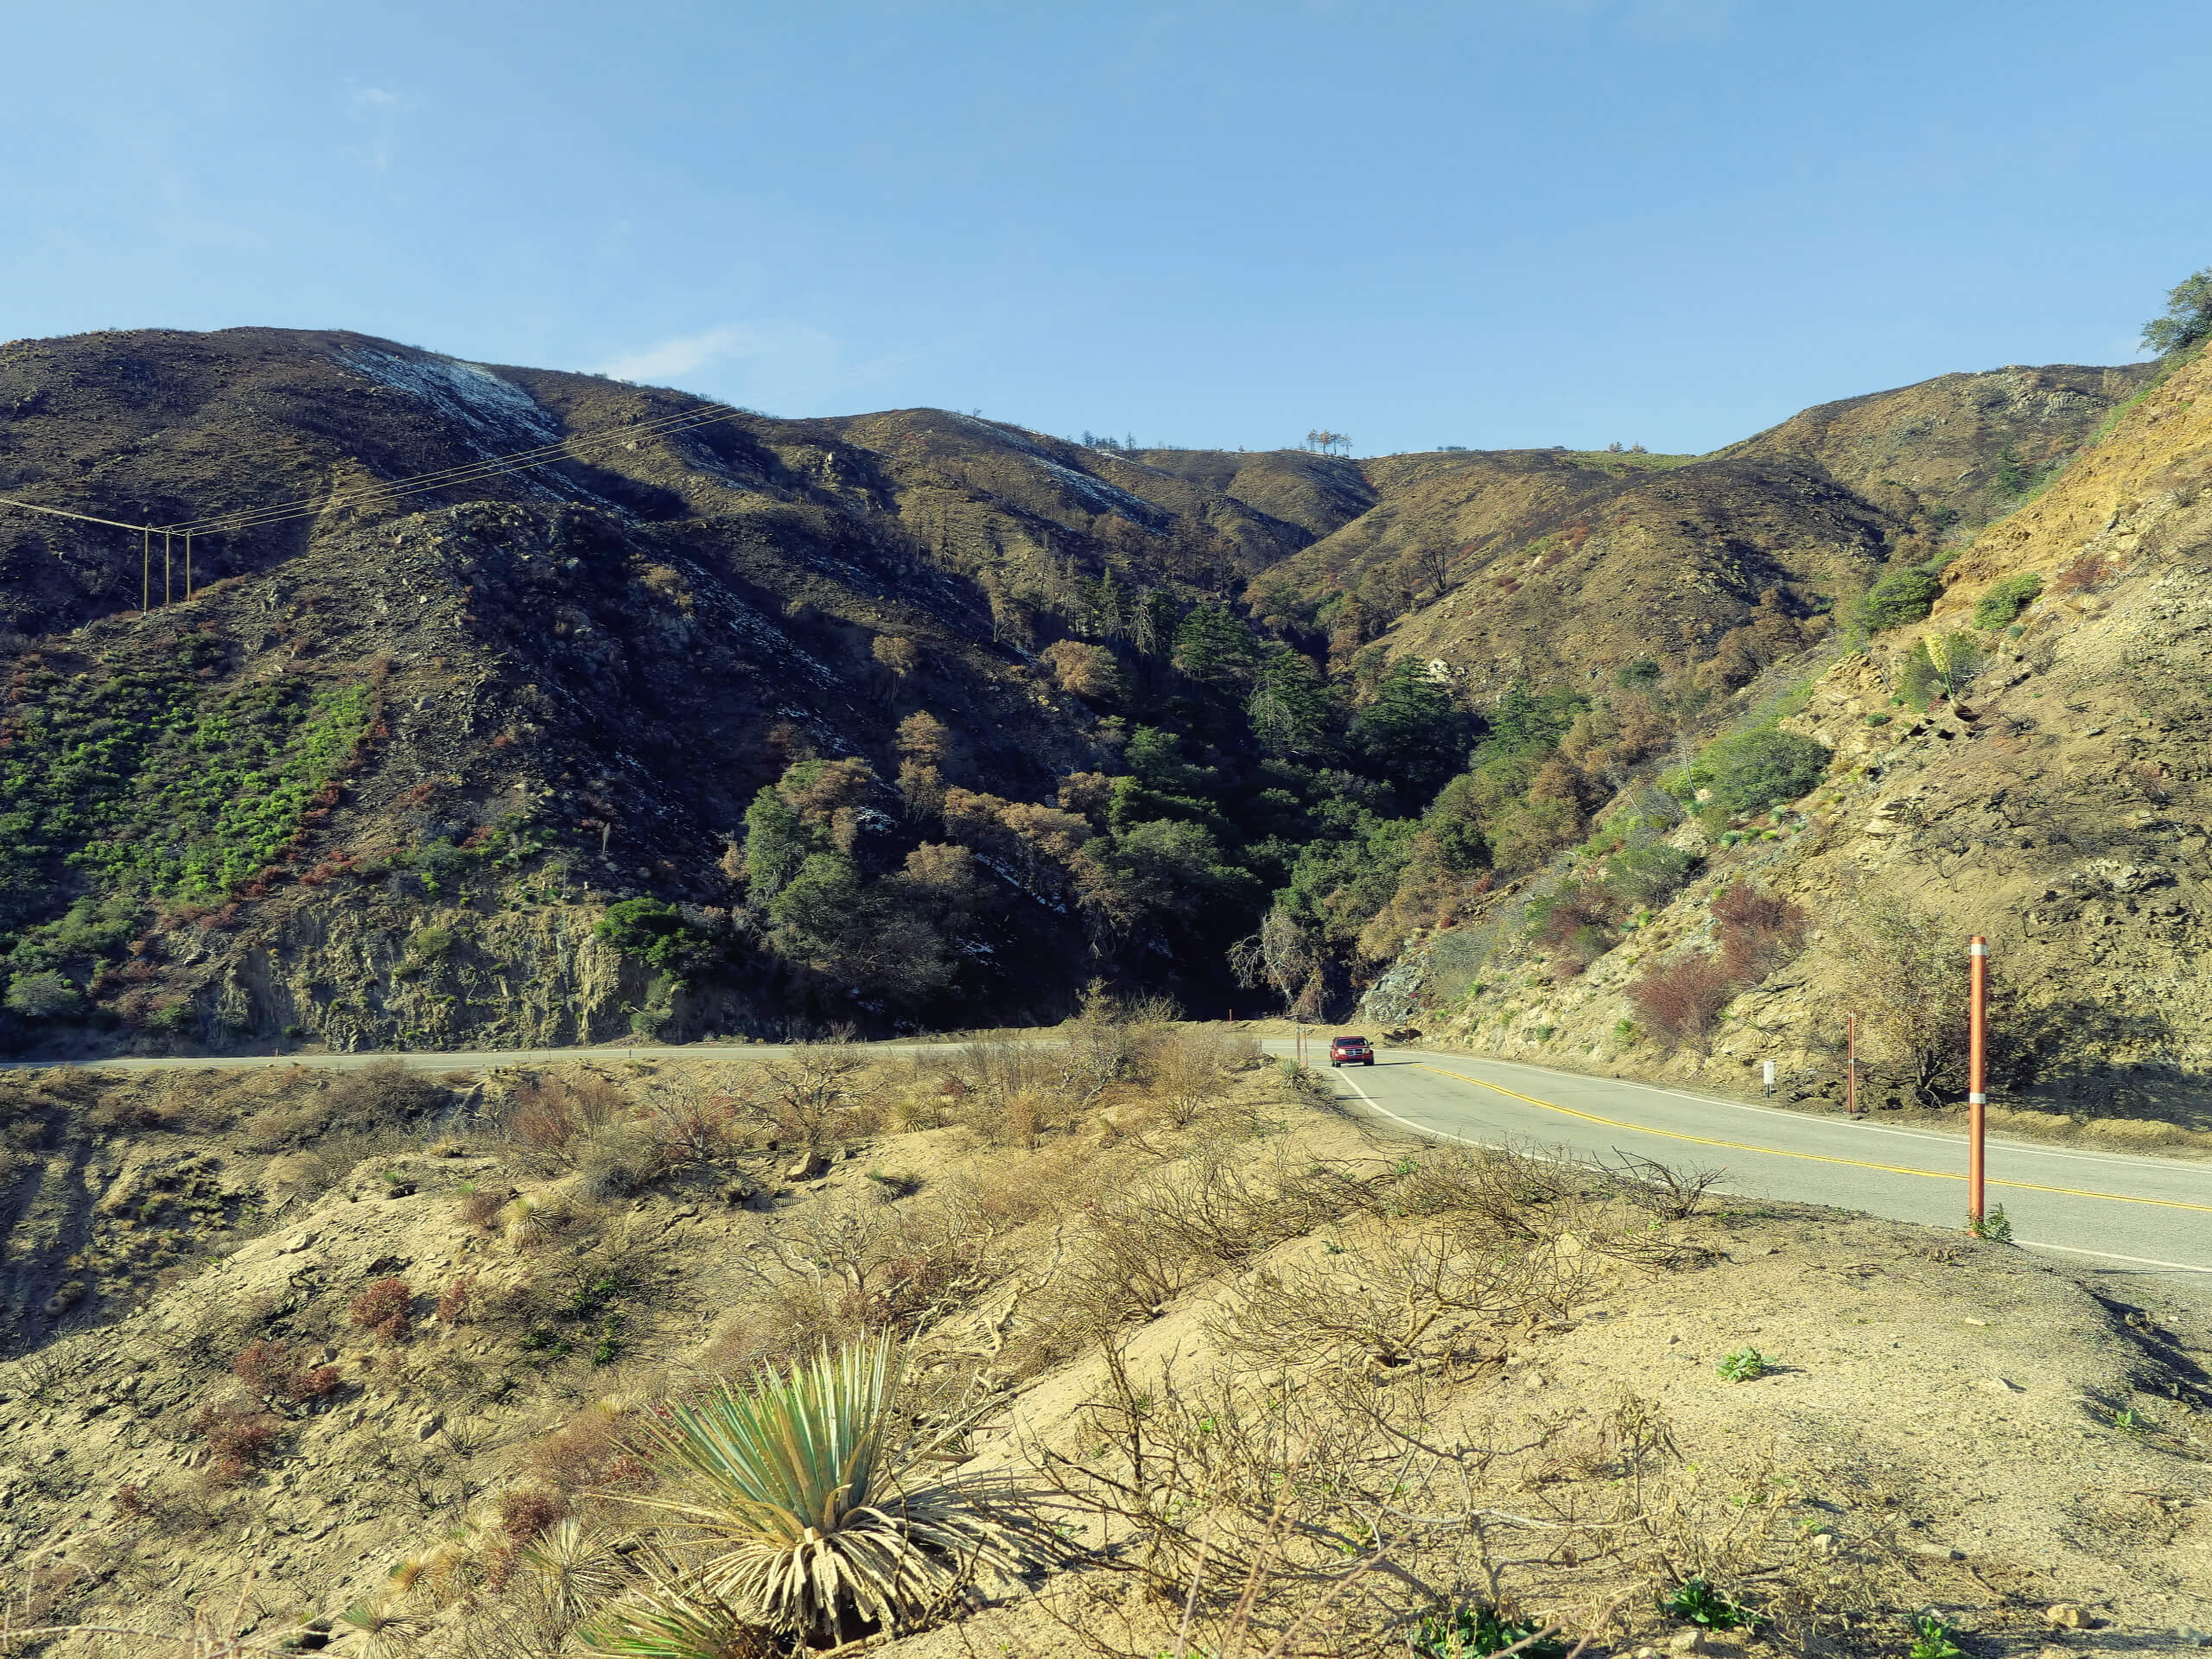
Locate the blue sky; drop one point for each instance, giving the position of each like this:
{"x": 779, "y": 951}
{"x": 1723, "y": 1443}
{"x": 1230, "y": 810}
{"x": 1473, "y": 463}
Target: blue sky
{"x": 1661, "y": 221}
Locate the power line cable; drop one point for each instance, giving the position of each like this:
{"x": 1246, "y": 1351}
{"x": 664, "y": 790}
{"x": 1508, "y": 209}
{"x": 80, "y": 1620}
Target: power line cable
{"x": 385, "y": 490}
{"x": 63, "y": 513}
{"x": 474, "y": 472}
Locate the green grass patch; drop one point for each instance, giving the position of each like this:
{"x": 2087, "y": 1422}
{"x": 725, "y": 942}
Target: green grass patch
{"x": 155, "y": 784}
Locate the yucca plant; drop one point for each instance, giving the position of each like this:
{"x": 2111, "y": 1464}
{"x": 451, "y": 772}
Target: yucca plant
{"x": 805, "y": 1511}
{"x": 669, "y": 1616}
{"x": 576, "y": 1566}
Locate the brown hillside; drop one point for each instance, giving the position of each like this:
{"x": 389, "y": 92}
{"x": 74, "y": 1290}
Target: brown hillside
{"x": 379, "y": 781}
{"x": 1945, "y": 443}
{"x": 1319, "y": 494}
{"x": 1476, "y": 558}
{"x": 2055, "y": 804}
{"x": 591, "y": 668}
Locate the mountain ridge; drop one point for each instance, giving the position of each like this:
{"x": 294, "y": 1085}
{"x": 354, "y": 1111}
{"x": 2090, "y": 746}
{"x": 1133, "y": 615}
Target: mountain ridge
{"x": 990, "y": 684}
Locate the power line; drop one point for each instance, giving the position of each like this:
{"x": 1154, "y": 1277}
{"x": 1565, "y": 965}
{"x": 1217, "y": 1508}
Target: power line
{"x": 395, "y": 489}
{"x": 62, "y": 512}
{"x": 473, "y": 471}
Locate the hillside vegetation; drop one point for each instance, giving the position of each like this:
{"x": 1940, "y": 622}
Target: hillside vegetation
{"x": 2011, "y": 743}
{"x": 896, "y": 721}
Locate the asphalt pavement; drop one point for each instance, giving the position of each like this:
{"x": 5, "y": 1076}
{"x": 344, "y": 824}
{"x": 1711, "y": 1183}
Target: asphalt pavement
{"x": 2141, "y": 1215}
{"x": 2152, "y": 1214}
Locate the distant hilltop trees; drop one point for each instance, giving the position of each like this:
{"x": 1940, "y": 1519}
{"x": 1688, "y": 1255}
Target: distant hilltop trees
{"x": 2188, "y": 318}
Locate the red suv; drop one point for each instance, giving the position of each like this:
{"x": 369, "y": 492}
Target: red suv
{"x": 1349, "y": 1051}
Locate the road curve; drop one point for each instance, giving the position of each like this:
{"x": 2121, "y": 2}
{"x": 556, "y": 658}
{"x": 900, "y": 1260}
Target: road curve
{"x": 2150, "y": 1213}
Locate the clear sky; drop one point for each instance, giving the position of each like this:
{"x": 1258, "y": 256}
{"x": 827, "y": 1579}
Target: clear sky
{"x": 1669, "y": 222}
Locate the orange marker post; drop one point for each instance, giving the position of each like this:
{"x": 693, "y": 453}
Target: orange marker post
{"x": 1851, "y": 1065}
{"x": 1977, "y": 1059}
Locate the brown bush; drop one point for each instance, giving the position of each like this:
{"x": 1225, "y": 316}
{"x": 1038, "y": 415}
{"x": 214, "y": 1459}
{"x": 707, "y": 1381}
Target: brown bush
{"x": 382, "y": 1095}
{"x": 1758, "y": 931}
{"x": 1403, "y": 1297}
{"x": 237, "y": 1439}
{"x": 457, "y": 1300}
{"x": 385, "y": 1310}
{"x": 589, "y": 1451}
{"x": 698, "y": 1128}
{"x": 2089, "y": 571}
{"x": 526, "y": 1511}
{"x": 272, "y": 1374}
{"x": 814, "y": 1097}
{"x": 1681, "y": 1000}
{"x": 1577, "y": 924}
{"x": 477, "y": 1208}
{"x": 1085, "y": 671}
{"x": 550, "y": 1117}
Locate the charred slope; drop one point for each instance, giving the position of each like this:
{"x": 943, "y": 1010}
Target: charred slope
{"x": 379, "y": 778}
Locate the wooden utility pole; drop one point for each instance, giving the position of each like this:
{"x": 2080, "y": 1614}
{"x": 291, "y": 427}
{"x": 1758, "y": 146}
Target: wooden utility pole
{"x": 1977, "y": 1066}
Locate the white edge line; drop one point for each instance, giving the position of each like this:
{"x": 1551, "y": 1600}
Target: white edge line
{"x": 2026, "y": 1243}
{"x": 1418, "y": 1128}
{"x": 2109, "y": 1255}
{"x": 2009, "y": 1142}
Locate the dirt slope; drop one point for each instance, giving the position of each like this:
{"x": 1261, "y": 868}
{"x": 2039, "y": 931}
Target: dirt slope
{"x": 175, "y": 1448}
{"x": 1959, "y": 445}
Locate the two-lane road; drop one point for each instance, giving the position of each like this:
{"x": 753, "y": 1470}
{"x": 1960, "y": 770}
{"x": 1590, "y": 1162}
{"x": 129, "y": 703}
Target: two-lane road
{"x": 2146, "y": 1213}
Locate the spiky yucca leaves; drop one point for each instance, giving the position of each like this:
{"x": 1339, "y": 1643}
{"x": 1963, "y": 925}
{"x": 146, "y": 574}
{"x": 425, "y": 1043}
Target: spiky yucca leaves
{"x": 669, "y": 1616}
{"x": 804, "y": 1509}
{"x": 576, "y": 1565}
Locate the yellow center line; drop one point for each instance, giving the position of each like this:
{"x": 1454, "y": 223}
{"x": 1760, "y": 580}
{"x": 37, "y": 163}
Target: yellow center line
{"x": 1809, "y": 1157}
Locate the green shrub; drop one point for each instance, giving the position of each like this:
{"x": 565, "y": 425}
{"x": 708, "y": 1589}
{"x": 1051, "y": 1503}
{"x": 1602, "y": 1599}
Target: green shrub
{"x": 172, "y": 1018}
{"x": 1696, "y": 1600}
{"x": 1745, "y": 1365}
{"x": 1932, "y": 1639}
{"x": 1476, "y": 1632}
{"x": 1900, "y": 597}
{"x": 428, "y": 944}
{"x": 1946, "y": 662}
{"x": 1649, "y": 875}
{"x": 654, "y": 931}
{"x": 2188, "y": 316}
{"x": 2006, "y": 599}
{"x": 44, "y": 995}
{"x": 1758, "y": 770}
